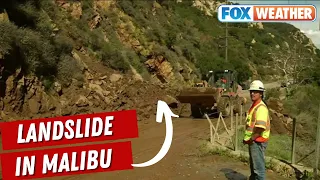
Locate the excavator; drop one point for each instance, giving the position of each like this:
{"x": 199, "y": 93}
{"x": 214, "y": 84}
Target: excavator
{"x": 213, "y": 95}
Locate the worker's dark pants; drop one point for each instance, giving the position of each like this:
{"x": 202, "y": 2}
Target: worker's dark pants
{"x": 257, "y": 162}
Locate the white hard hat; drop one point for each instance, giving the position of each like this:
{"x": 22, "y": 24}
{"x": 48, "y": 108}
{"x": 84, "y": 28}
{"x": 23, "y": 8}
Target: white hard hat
{"x": 256, "y": 85}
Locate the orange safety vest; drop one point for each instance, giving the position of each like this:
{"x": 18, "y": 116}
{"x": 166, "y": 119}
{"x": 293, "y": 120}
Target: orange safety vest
{"x": 252, "y": 122}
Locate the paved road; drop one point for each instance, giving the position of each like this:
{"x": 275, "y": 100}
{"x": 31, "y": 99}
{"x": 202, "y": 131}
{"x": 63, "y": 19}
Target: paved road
{"x": 272, "y": 85}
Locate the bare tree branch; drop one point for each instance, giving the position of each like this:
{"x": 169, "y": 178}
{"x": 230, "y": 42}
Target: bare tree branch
{"x": 291, "y": 63}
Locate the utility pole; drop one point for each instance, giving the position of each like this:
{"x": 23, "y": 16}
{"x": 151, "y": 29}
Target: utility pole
{"x": 316, "y": 165}
{"x": 226, "y": 38}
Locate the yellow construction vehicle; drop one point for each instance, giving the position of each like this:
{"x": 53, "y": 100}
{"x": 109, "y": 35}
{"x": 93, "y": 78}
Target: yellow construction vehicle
{"x": 214, "y": 96}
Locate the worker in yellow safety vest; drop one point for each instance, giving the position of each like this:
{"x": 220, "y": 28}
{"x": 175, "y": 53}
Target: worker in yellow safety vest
{"x": 257, "y": 130}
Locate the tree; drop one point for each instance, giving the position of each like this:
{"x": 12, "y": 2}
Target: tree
{"x": 293, "y": 64}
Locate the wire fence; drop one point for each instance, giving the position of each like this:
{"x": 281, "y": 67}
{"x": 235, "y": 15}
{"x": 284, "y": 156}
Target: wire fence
{"x": 296, "y": 151}
{"x": 313, "y": 149}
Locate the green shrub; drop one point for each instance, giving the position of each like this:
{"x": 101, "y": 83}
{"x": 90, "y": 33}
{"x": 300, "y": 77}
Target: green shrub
{"x": 68, "y": 69}
{"x": 303, "y": 103}
{"x": 9, "y": 33}
{"x": 37, "y": 51}
{"x": 63, "y": 44}
{"x": 272, "y": 93}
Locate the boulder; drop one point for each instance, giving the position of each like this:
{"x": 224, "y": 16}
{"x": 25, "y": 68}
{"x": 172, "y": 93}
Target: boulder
{"x": 34, "y": 106}
{"x": 58, "y": 88}
{"x": 171, "y": 101}
{"x": 82, "y": 101}
{"x": 115, "y": 77}
{"x": 275, "y": 104}
{"x": 161, "y": 67}
{"x": 136, "y": 76}
{"x": 76, "y": 10}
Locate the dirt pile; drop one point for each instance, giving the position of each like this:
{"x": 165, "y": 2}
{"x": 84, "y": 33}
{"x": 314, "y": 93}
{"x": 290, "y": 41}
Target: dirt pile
{"x": 275, "y": 104}
{"x": 143, "y": 96}
{"x": 23, "y": 96}
{"x": 281, "y": 122}
{"x": 102, "y": 90}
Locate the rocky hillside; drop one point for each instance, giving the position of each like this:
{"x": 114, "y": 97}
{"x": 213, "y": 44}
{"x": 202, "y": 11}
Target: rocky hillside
{"x": 65, "y": 57}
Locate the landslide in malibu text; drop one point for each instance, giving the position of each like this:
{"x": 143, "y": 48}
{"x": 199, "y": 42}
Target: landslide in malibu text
{"x": 48, "y": 131}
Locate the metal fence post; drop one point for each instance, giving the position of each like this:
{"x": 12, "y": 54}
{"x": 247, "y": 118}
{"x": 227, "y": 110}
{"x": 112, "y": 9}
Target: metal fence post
{"x": 241, "y": 111}
{"x": 231, "y": 113}
{"x": 293, "y": 149}
{"x": 236, "y": 133}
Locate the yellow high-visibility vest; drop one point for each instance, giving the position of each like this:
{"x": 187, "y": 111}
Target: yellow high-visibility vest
{"x": 258, "y": 117}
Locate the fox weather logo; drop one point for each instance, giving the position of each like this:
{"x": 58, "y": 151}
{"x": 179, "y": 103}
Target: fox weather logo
{"x": 235, "y": 13}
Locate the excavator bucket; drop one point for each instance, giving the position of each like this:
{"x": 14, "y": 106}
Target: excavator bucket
{"x": 199, "y": 95}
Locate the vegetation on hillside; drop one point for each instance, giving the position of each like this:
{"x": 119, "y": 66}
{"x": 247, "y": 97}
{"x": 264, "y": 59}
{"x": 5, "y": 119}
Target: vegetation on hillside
{"x": 190, "y": 34}
{"x": 41, "y": 35}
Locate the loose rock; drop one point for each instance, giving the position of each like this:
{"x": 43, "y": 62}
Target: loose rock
{"x": 82, "y": 101}
{"x": 115, "y": 77}
{"x": 34, "y": 106}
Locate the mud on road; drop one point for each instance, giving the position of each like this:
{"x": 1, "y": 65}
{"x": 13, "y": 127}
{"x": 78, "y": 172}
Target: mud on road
{"x": 181, "y": 162}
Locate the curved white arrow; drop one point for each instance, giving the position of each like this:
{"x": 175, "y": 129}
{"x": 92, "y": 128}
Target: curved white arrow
{"x": 162, "y": 109}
